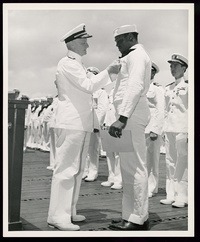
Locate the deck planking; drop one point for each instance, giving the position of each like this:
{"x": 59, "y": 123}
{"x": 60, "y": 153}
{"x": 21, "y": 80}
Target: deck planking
{"x": 99, "y": 204}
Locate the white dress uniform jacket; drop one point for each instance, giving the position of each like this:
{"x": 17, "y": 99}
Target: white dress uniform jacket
{"x": 130, "y": 100}
{"x": 132, "y": 82}
{"x": 75, "y": 90}
{"x": 156, "y": 103}
{"x": 176, "y": 110}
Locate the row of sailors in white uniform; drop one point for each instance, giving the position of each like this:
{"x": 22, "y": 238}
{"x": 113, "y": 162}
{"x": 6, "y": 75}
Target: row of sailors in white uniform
{"x": 38, "y": 123}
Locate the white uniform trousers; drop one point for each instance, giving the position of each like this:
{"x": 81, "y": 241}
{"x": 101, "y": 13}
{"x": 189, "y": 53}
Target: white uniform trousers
{"x": 177, "y": 167}
{"x": 45, "y": 137}
{"x": 114, "y": 172}
{"x": 71, "y": 150}
{"x": 92, "y": 163}
{"x": 52, "y": 147}
{"x": 32, "y": 134}
{"x": 153, "y": 157}
{"x": 134, "y": 172}
{"x": 36, "y": 134}
{"x": 40, "y": 136}
{"x": 29, "y": 133}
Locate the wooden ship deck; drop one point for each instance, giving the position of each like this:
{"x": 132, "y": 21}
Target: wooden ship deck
{"x": 99, "y": 204}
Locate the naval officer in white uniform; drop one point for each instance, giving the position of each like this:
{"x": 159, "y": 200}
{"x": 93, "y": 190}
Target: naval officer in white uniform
{"x": 130, "y": 101}
{"x": 73, "y": 126}
{"x": 176, "y": 134}
{"x": 154, "y": 130}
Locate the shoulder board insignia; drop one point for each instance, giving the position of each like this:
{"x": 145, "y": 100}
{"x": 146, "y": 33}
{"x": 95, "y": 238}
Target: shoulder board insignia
{"x": 169, "y": 84}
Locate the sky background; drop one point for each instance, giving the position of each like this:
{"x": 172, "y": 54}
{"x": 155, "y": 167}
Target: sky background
{"x": 34, "y": 48}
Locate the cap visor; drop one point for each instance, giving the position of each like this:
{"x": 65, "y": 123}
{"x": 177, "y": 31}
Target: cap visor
{"x": 177, "y": 61}
{"x": 86, "y": 36}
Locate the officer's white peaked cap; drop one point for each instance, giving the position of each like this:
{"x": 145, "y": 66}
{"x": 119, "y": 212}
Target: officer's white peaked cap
{"x": 178, "y": 58}
{"x": 124, "y": 29}
{"x": 78, "y": 32}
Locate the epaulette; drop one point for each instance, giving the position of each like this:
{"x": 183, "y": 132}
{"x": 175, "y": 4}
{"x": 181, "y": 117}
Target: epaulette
{"x": 169, "y": 84}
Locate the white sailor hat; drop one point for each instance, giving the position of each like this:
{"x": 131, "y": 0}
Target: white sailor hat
{"x": 31, "y": 100}
{"x": 155, "y": 67}
{"x": 43, "y": 99}
{"x": 179, "y": 58}
{"x": 125, "y": 29}
{"x": 36, "y": 99}
{"x": 49, "y": 96}
{"x": 93, "y": 69}
{"x": 77, "y": 32}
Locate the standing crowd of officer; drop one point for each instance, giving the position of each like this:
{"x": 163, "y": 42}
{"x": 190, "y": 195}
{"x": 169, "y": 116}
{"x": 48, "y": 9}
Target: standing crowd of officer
{"x": 138, "y": 104}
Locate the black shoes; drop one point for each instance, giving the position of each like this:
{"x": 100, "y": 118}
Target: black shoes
{"x": 125, "y": 225}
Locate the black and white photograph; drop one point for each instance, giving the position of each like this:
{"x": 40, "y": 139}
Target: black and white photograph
{"x": 98, "y": 113}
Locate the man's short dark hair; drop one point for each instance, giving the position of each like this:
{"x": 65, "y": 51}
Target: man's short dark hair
{"x": 134, "y": 34}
